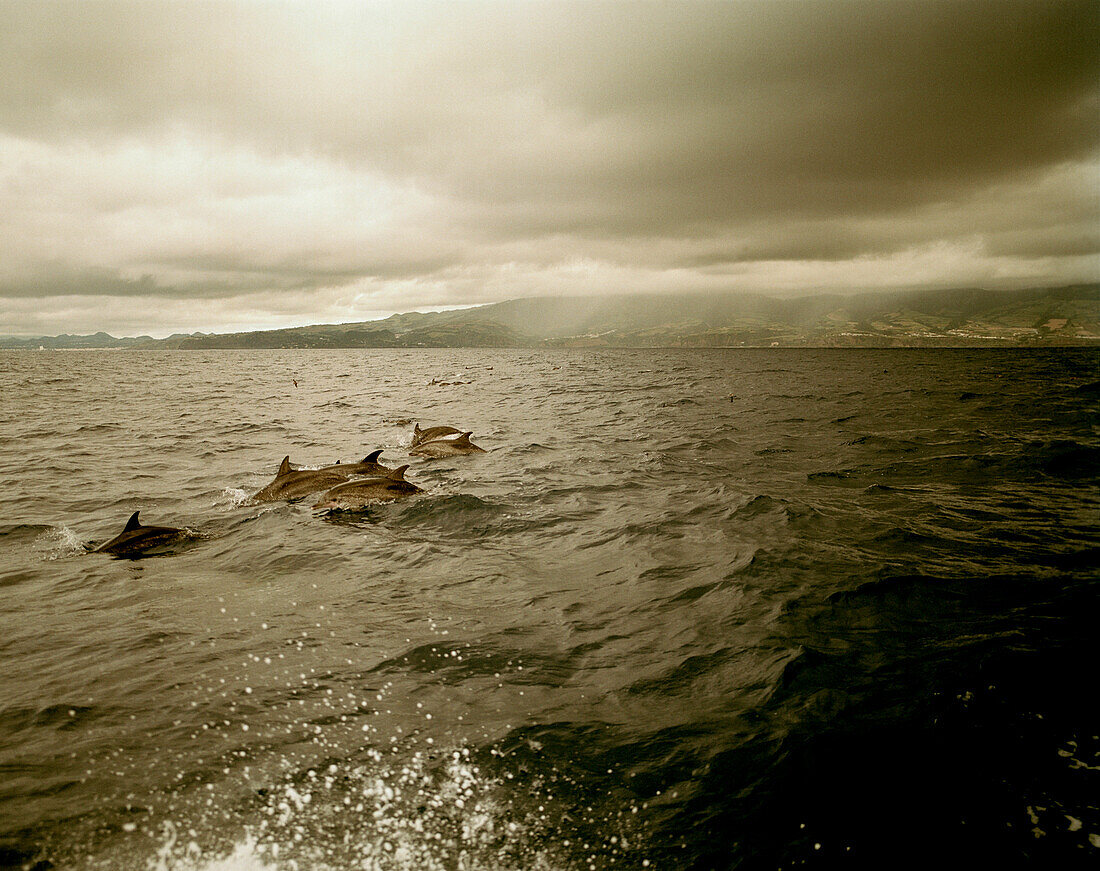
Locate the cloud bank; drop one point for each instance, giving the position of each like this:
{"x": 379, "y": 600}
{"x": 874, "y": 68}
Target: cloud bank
{"x": 223, "y": 166}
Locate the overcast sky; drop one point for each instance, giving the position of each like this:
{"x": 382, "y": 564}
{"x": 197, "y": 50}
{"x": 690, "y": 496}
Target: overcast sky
{"x": 223, "y": 166}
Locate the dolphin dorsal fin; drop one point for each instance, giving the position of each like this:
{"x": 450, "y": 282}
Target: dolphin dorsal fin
{"x": 416, "y": 429}
{"x": 284, "y": 467}
{"x": 132, "y": 523}
{"x": 397, "y": 474}
{"x": 464, "y": 439}
{"x": 372, "y": 457}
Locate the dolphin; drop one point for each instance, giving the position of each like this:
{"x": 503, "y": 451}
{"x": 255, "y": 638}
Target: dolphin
{"x": 361, "y": 492}
{"x": 136, "y": 539}
{"x": 292, "y": 483}
{"x": 440, "y": 448}
{"x": 433, "y": 432}
{"x": 369, "y": 465}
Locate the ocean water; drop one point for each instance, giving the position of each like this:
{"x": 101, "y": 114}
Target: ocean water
{"x": 727, "y": 609}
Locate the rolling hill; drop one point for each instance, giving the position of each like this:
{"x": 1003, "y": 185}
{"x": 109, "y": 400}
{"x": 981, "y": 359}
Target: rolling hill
{"x": 965, "y": 317}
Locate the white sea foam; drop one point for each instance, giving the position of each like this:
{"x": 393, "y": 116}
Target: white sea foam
{"x": 245, "y": 856}
{"x": 234, "y": 497}
{"x": 58, "y": 543}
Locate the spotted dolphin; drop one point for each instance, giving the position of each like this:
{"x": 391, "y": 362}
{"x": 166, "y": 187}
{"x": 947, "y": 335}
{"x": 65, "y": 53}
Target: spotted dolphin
{"x": 439, "y": 448}
{"x": 361, "y": 492}
{"x": 293, "y": 483}
{"x": 135, "y": 539}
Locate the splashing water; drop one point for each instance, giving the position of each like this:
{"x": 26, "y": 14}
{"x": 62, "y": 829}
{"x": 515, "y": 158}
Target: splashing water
{"x": 233, "y": 497}
{"x": 411, "y": 807}
{"x": 59, "y": 543}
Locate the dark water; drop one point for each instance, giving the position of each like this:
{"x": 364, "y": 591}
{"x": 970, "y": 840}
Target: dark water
{"x": 846, "y": 618}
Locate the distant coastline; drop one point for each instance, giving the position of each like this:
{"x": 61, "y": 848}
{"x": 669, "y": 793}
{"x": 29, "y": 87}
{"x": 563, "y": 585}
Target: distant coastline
{"x": 959, "y": 318}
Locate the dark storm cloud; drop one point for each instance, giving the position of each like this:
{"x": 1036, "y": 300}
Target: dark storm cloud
{"x": 435, "y": 153}
{"x": 754, "y": 111}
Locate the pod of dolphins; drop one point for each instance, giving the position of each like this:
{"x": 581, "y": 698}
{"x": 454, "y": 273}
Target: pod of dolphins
{"x": 344, "y": 486}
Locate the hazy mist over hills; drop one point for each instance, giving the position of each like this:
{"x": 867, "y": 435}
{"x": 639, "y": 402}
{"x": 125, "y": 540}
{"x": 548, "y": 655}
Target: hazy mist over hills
{"x": 959, "y": 317}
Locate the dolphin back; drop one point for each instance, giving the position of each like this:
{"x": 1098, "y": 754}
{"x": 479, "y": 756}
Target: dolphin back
{"x": 136, "y": 538}
{"x": 420, "y": 436}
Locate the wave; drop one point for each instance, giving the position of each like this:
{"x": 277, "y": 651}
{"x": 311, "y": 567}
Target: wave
{"x": 16, "y": 577}
{"x": 60, "y": 717}
{"x": 454, "y": 661}
{"x": 761, "y": 506}
{"x": 531, "y": 448}
{"x": 887, "y": 443}
{"x": 676, "y": 403}
{"x": 1055, "y": 458}
{"x": 17, "y": 531}
{"x": 844, "y": 477}
{"x": 679, "y": 680}
{"x": 461, "y": 516}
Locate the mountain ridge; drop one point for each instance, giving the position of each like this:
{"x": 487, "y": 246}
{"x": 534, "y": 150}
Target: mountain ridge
{"x": 957, "y": 317}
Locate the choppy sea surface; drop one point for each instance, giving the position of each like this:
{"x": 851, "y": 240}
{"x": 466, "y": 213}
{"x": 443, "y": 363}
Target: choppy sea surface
{"x": 727, "y": 609}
